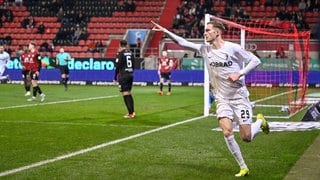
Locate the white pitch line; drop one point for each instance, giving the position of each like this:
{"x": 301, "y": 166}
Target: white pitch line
{"x": 58, "y": 158}
{"x": 58, "y": 102}
{"x": 270, "y": 97}
{"x": 73, "y": 124}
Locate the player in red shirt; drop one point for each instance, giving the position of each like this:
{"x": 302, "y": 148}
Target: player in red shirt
{"x": 24, "y": 60}
{"x": 34, "y": 67}
{"x": 165, "y": 65}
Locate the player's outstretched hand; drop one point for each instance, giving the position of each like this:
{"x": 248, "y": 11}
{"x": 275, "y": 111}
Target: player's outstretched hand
{"x": 157, "y": 27}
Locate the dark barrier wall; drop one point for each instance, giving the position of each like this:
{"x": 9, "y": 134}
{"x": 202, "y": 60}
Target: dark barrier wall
{"x": 185, "y": 76}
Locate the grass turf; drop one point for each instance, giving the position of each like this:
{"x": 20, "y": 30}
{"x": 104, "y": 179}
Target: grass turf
{"x": 70, "y": 121}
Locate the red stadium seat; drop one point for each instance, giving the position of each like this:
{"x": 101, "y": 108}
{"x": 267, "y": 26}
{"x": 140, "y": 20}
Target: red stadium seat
{"x": 248, "y": 9}
{"x": 82, "y": 43}
{"x": 275, "y": 8}
{"x": 256, "y": 3}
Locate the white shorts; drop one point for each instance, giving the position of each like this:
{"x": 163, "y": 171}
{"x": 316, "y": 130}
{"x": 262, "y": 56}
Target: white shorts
{"x": 2, "y": 69}
{"x": 238, "y": 110}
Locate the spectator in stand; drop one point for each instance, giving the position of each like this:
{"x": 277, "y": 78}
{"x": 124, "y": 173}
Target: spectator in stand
{"x": 84, "y": 34}
{"x": 195, "y": 33}
{"x": 8, "y": 16}
{"x": 60, "y": 16}
{"x": 301, "y": 22}
{"x": 268, "y": 3}
{"x": 287, "y": 15}
{"x": 5, "y": 40}
{"x": 91, "y": 47}
{"x": 2, "y": 42}
{"x": 50, "y": 47}
{"x": 43, "y": 47}
{"x": 99, "y": 46}
{"x": 7, "y": 49}
{"x": 8, "y": 39}
{"x": 81, "y": 19}
{"x": 19, "y": 51}
{"x": 302, "y": 5}
{"x": 47, "y": 46}
{"x": 31, "y": 23}
{"x": 28, "y": 22}
{"x": 76, "y": 35}
{"x": 18, "y": 2}
{"x": 316, "y": 5}
{"x": 129, "y": 6}
{"x": 280, "y": 52}
{"x": 280, "y": 14}
{"x": 41, "y": 28}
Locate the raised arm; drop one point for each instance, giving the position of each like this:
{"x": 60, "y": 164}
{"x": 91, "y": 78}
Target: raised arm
{"x": 179, "y": 40}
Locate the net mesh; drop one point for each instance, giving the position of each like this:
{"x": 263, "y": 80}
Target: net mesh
{"x": 278, "y": 85}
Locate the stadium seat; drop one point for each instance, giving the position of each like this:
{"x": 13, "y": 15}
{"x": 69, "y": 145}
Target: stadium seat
{"x": 248, "y": 9}
{"x": 256, "y": 3}
{"x": 243, "y": 3}
{"x": 275, "y": 8}
{"x": 82, "y": 43}
{"x": 82, "y": 55}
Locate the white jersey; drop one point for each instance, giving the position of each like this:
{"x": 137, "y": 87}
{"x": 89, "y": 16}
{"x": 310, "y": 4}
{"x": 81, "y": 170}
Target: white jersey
{"x": 4, "y": 58}
{"x": 221, "y": 63}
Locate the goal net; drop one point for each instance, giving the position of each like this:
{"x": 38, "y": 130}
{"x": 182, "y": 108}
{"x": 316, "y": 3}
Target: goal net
{"x": 278, "y": 86}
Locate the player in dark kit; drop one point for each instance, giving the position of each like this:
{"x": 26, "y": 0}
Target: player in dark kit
{"x": 124, "y": 74}
{"x": 34, "y": 67}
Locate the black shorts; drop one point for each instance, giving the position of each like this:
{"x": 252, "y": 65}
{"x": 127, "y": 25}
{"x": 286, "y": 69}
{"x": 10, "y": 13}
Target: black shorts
{"x": 64, "y": 69}
{"x": 25, "y": 73}
{"x": 125, "y": 82}
{"x": 34, "y": 75}
{"x": 166, "y": 75}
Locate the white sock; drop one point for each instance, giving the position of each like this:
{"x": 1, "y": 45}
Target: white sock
{"x": 255, "y": 127}
{"x": 235, "y": 151}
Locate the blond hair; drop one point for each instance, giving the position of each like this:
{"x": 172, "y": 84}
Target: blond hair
{"x": 217, "y": 24}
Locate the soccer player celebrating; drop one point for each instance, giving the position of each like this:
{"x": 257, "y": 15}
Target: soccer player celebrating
{"x": 164, "y": 71}
{"x": 124, "y": 72}
{"x": 4, "y": 59}
{"x": 24, "y": 60}
{"x": 225, "y": 61}
{"x": 35, "y": 66}
{"x": 62, "y": 61}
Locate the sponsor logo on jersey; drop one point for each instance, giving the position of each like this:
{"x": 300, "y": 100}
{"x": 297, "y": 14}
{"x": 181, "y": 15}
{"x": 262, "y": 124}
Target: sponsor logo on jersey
{"x": 221, "y": 64}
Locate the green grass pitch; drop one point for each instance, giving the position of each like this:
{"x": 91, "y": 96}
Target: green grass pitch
{"x": 86, "y": 116}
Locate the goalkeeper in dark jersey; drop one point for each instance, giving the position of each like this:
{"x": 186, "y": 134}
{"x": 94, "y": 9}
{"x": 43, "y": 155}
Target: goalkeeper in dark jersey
{"x": 124, "y": 75}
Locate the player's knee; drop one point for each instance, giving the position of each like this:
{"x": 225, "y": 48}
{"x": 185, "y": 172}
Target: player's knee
{"x": 227, "y": 132}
